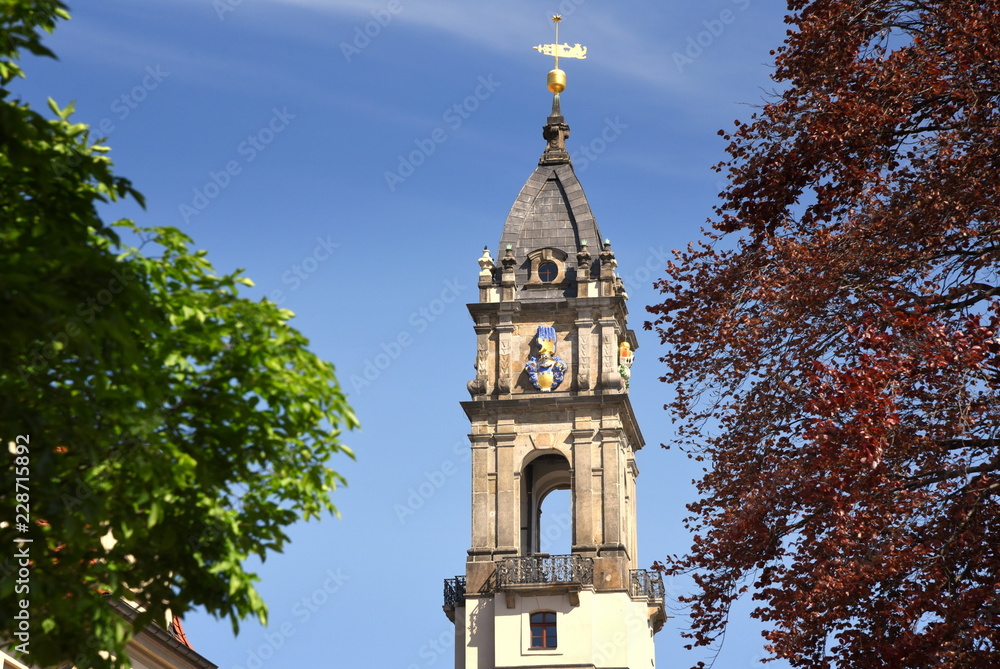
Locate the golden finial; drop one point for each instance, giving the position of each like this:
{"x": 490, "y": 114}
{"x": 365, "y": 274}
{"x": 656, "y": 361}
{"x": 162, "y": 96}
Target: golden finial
{"x": 557, "y": 78}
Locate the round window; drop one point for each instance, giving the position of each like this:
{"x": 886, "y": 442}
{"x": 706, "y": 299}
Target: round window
{"x": 548, "y": 272}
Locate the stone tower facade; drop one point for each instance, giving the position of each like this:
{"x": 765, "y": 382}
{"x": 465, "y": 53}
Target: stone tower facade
{"x": 550, "y": 410}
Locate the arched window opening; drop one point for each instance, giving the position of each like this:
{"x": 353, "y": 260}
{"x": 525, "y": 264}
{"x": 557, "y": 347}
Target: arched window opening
{"x": 543, "y": 630}
{"x": 540, "y": 477}
{"x": 555, "y": 523}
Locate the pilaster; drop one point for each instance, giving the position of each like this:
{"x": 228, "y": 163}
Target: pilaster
{"x": 483, "y": 511}
{"x": 586, "y": 496}
{"x": 505, "y": 334}
{"x": 610, "y": 378}
{"x": 481, "y": 384}
{"x": 612, "y": 491}
{"x": 508, "y": 497}
{"x": 584, "y": 359}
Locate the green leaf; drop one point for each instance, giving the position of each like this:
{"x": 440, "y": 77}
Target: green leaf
{"x": 155, "y": 514}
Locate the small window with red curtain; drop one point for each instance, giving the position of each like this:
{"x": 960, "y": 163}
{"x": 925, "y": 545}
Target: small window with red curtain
{"x": 543, "y": 630}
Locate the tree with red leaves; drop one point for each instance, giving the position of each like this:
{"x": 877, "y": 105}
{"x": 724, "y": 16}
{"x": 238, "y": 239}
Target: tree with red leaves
{"x": 834, "y": 344}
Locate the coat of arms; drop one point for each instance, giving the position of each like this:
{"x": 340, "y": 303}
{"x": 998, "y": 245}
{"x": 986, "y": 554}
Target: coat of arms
{"x": 547, "y": 370}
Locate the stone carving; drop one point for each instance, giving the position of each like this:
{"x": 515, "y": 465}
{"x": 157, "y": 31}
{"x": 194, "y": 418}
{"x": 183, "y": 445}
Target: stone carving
{"x": 482, "y": 357}
{"x": 583, "y": 346}
{"x": 503, "y": 380}
{"x": 608, "y": 352}
{"x": 478, "y": 385}
{"x": 547, "y": 370}
{"x": 625, "y": 360}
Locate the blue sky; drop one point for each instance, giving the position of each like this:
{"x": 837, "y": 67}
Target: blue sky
{"x": 355, "y": 157}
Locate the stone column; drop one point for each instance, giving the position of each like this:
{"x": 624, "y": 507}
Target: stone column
{"x": 508, "y": 496}
{"x": 633, "y": 544}
{"x": 483, "y": 517}
{"x": 586, "y": 500}
{"x": 613, "y": 493}
{"x": 610, "y": 378}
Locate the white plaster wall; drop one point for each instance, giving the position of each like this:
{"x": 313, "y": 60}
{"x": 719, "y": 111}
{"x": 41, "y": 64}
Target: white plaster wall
{"x": 607, "y": 630}
{"x": 460, "y": 632}
{"x": 479, "y": 633}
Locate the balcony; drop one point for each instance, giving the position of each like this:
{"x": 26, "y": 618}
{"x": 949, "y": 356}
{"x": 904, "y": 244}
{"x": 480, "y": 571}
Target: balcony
{"x": 545, "y": 574}
{"x": 454, "y": 595}
{"x": 648, "y": 585}
{"x": 545, "y": 569}
{"x": 454, "y": 591}
{"x": 645, "y": 583}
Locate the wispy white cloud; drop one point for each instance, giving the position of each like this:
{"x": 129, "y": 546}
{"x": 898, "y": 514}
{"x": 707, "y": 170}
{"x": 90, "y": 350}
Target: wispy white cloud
{"x": 620, "y": 46}
{"x": 513, "y": 27}
{"x": 499, "y": 26}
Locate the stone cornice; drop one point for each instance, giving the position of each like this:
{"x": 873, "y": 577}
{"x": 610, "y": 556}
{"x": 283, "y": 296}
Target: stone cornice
{"x": 535, "y": 402}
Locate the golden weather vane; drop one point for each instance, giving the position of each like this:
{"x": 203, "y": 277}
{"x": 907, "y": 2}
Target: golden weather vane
{"x": 557, "y": 78}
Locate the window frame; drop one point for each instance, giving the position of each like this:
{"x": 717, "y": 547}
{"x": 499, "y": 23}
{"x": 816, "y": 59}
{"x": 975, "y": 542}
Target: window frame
{"x": 542, "y": 256}
{"x": 548, "y": 628}
{"x": 553, "y": 270}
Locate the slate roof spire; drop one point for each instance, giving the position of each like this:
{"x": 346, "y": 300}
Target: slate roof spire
{"x": 550, "y": 219}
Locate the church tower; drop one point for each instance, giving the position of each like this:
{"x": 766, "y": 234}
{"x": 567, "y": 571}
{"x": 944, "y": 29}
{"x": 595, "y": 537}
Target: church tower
{"x": 550, "y": 410}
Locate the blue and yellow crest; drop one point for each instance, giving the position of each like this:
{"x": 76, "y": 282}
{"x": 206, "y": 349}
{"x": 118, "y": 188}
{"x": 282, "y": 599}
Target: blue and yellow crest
{"x": 547, "y": 370}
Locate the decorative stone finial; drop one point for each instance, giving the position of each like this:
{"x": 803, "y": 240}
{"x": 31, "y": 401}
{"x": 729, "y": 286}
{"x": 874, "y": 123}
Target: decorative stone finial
{"x": 508, "y": 261}
{"x": 607, "y": 255}
{"x": 488, "y": 290}
{"x": 620, "y": 287}
{"x": 486, "y": 263}
{"x": 583, "y": 256}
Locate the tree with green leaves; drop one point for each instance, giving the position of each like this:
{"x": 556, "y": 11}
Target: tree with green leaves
{"x": 159, "y": 429}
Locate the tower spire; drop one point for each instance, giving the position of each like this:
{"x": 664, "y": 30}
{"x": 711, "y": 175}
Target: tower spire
{"x": 556, "y": 131}
{"x": 549, "y": 411}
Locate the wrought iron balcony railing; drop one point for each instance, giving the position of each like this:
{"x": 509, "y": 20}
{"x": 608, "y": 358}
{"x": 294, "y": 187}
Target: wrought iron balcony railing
{"x": 546, "y": 569}
{"x": 454, "y": 591}
{"x": 645, "y": 583}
